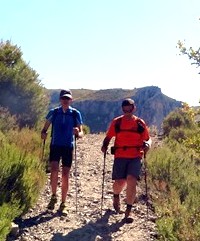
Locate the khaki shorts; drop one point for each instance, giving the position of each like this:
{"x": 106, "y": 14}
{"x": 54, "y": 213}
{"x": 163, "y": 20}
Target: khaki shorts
{"x": 123, "y": 167}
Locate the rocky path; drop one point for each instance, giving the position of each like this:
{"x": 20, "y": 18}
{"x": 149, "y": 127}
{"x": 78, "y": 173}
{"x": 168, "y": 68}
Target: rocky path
{"x": 85, "y": 221}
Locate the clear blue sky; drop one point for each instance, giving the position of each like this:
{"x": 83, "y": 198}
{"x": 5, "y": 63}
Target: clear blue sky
{"x": 102, "y": 44}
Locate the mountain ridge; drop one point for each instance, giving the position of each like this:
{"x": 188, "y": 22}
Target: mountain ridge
{"x": 99, "y": 107}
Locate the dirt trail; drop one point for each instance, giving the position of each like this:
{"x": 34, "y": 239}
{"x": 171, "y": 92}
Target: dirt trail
{"x": 87, "y": 224}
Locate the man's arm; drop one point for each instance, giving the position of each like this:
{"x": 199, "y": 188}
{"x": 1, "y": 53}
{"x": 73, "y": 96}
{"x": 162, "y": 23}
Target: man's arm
{"x": 44, "y": 130}
{"x": 147, "y": 141}
{"x": 105, "y": 144}
{"x": 109, "y": 135}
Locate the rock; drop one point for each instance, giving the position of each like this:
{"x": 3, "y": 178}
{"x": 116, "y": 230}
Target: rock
{"x": 98, "y": 238}
{"x": 14, "y": 230}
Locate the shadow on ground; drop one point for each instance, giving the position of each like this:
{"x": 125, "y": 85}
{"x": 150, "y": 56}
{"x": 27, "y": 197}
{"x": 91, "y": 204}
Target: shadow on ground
{"x": 92, "y": 231}
{"x": 38, "y": 219}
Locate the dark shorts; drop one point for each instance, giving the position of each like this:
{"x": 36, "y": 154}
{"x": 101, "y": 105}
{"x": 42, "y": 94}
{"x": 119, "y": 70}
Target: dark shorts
{"x": 61, "y": 152}
{"x": 123, "y": 167}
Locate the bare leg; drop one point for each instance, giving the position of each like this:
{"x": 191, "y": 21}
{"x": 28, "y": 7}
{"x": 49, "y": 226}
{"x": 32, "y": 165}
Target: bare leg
{"x": 54, "y": 176}
{"x": 131, "y": 189}
{"x": 65, "y": 182}
{"x": 118, "y": 185}
{"x": 130, "y": 196}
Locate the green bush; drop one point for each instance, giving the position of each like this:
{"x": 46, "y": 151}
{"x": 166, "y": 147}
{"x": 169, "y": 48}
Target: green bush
{"x": 175, "y": 177}
{"x": 159, "y": 163}
{"x": 86, "y": 129}
{"x": 7, "y": 121}
{"x": 166, "y": 226}
{"x": 177, "y": 119}
{"x": 22, "y": 176}
{"x": 193, "y": 141}
{"x": 8, "y": 212}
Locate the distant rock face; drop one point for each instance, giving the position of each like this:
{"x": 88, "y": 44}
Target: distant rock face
{"x": 153, "y": 106}
{"x": 100, "y": 107}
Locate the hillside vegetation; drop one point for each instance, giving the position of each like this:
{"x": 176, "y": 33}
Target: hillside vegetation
{"x": 20, "y": 89}
{"x": 174, "y": 174}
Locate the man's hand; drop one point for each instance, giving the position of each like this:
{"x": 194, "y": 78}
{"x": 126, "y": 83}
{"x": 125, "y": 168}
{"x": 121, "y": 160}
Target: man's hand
{"x": 76, "y": 131}
{"x": 104, "y": 149}
{"x": 146, "y": 147}
{"x": 44, "y": 134}
{"x": 44, "y": 130}
{"x": 105, "y": 144}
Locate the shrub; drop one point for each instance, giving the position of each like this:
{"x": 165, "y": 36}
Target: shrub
{"x": 21, "y": 178}
{"x": 27, "y": 140}
{"x": 8, "y": 212}
{"x": 175, "y": 176}
{"x": 86, "y": 129}
{"x": 193, "y": 142}
{"x": 7, "y": 121}
{"x": 177, "y": 119}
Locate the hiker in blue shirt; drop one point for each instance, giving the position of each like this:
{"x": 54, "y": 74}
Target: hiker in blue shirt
{"x": 66, "y": 125}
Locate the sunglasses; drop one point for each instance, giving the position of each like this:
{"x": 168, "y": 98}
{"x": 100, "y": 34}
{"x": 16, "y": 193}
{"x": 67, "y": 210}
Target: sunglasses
{"x": 127, "y": 111}
{"x": 65, "y": 98}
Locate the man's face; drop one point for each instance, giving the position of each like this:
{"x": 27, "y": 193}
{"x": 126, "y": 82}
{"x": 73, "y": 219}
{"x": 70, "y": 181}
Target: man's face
{"x": 65, "y": 101}
{"x": 128, "y": 109}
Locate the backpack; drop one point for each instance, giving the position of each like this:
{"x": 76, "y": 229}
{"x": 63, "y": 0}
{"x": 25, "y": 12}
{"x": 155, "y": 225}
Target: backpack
{"x": 55, "y": 112}
{"x": 140, "y": 128}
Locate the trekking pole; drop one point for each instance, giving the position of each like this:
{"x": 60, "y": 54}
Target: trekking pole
{"x": 43, "y": 147}
{"x": 102, "y": 195}
{"x": 146, "y": 186}
{"x": 75, "y": 159}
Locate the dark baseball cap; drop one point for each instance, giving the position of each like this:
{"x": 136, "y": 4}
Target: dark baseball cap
{"x": 128, "y": 102}
{"x": 66, "y": 93}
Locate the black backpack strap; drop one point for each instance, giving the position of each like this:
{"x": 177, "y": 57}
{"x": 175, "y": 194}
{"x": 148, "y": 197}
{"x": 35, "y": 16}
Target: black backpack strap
{"x": 141, "y": 126}
{"x": 118, "y": 124}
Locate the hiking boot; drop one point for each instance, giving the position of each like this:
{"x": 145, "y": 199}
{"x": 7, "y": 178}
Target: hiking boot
{"x": 63, "y": 209}
{"x": 116, "y": 202}
{"x": 127, "y": 217}
{"x": 52, "y": 202}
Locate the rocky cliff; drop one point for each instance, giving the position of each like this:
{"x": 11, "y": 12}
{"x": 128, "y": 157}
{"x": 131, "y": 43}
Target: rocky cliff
{"x": 99, "y": 107}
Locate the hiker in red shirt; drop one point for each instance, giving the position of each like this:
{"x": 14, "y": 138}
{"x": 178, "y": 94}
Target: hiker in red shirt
{"x": 131, "y": 140}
